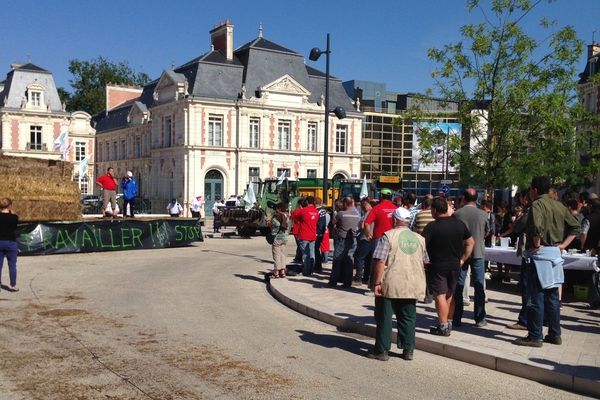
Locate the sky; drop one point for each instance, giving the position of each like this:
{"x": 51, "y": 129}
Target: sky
{"x": 376, "y": 40}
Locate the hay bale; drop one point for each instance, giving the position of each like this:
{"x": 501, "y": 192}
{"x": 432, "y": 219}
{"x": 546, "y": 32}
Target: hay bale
{"x": 41, "y": 190}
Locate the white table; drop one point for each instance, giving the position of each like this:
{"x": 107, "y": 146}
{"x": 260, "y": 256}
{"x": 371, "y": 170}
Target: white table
{"x": 508, "y": 255}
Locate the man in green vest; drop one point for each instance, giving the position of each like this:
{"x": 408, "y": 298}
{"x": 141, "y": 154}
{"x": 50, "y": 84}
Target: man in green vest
{"x": 399, "y": 280}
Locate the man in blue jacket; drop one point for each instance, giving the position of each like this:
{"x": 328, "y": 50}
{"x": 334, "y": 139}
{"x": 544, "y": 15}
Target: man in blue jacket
{"x": 130, "y": 189}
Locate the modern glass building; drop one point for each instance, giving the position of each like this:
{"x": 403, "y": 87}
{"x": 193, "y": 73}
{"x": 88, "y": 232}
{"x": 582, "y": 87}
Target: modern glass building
{"x": 389, "y": 151}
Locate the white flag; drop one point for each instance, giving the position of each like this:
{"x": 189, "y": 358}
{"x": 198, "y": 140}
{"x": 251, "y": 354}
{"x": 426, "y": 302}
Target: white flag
{"x": 364, "y": 189}
{"x": 64, "y": 151}
{"x": 60, "y": 141}
{"x": 83, "y": 166}
{"x": 250, "y": 197}
{"x": 281, "y": 178}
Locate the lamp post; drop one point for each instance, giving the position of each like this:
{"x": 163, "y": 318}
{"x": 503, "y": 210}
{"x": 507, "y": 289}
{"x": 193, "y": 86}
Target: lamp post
{"x": 315, "y": 53}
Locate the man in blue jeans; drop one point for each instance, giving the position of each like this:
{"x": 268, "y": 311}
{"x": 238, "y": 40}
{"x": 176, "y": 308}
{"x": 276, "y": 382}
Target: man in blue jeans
{"x": 478, "y": 223}
{"x": 306, "y": 218}
{"x": 364, "y": 247}
{"x": 346, "y": 225}
{"x": 550, "y": 229}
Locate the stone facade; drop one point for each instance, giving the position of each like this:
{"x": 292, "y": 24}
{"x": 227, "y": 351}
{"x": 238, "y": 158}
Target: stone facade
{"x": 32, "y": 118}
{"x": 211, "y": 126}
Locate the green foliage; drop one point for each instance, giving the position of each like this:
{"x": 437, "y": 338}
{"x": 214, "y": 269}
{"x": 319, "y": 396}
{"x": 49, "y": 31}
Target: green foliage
{"x": 528, "y": 88}
{"x": 90, "y": 79}
{"x": 63, "y": 95}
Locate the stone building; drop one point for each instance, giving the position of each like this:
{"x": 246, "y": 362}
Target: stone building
{"x": 224, "y": 119}
{"x": 32, "y": 119}
{"x": 389, "y": 151}
{"x": 589, "y": 90}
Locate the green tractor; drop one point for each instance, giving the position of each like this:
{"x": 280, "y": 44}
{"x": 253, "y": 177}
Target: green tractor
{"x": 248, "y": 218}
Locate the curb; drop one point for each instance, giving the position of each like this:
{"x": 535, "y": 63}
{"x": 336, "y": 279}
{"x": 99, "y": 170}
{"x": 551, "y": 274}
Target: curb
{"x": 477, "y": 357}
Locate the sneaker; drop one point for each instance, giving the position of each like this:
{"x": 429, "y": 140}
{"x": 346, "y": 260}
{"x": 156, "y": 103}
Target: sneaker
{"x": 408, "y": 354}
{"x": 553, "y": 340}
{"x": 517, "y": 327}
{"x": 526, "y": 341}
{"x": 356, "y": 283}
{"x": 381, "y": 356}
{"x": 481, "y": 323}
{"x": 439, "y": 331}
{"x": 466, "y": 302}
{"x": 14, "y": 289}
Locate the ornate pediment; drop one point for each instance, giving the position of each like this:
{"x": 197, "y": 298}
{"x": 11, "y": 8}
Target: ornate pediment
{"x": 286, "y": 84}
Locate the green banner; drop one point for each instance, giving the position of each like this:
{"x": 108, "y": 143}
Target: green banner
{"x": 106, "y": 235}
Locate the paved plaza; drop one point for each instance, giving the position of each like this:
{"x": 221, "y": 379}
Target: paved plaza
{"x": 575, "y": 365}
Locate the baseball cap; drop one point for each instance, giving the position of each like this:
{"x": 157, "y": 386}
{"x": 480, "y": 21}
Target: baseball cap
{"x": 129, "y": 174}
{"x": 402, "y": 214}
{"x": 386, "y": 191}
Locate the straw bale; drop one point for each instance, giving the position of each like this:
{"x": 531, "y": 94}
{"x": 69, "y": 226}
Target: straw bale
{"x": 41, "y": 190}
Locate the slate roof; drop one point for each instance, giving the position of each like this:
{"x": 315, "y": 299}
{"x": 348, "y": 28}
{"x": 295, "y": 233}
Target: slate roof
{"x": 20, "y": 77}
{"x": 256, "y": 63}
{"x": 31, "y": 67}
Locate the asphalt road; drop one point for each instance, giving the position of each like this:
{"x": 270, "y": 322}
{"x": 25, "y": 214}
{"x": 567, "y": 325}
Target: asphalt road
{"x": 198, "y": 323}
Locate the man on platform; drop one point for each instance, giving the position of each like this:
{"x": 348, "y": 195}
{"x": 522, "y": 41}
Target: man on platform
{"x": 550, "y": 229}
{"x": 109, "y": 185}
{"x": 130, "y": 190}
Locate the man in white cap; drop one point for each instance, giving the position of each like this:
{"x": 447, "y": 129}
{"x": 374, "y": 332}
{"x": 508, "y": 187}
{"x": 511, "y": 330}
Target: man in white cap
{"x": 197, "y": 206}
{"x": 130, "y": 190}
{"x": 399, "y": 279}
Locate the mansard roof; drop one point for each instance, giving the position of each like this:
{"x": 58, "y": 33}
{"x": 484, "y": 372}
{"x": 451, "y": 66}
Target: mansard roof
{"x": 255, "y": 64}
{"x": 20, "y": 77}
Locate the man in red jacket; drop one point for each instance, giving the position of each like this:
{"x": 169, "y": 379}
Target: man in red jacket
{"x": 307, "y": 218}
{"x": 109, "y": 184}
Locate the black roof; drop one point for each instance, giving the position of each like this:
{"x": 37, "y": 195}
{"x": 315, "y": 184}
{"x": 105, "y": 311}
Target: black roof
{"x": 262, "y": 43}
{"x": 32, "y": 67}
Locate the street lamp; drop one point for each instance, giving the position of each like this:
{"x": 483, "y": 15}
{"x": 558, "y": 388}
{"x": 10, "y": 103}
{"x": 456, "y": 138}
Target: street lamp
{"x": 339, "y": 112}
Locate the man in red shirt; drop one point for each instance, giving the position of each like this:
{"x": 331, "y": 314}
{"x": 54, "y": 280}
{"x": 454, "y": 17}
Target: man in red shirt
{"x": 381, "y": 216}
{"x": 109, "y": 184}
{"x": 379, "y": 220}
{"x": 307, "y": 218}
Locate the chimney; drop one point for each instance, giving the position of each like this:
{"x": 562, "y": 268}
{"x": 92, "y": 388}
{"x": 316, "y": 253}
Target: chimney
{"x": 221, "y": 38}
{"x": 119, "y": 94}
{"x": 593, "y": 49}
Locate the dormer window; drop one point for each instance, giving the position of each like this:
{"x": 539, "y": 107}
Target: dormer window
{"x": 35, "y": 99}
{"x": 35, "y": 96}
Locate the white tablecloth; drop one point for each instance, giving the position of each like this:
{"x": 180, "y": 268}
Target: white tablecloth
{"x": 508, "y": 255}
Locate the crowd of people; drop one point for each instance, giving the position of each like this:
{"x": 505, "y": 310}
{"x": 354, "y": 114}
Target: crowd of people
{"x": 407, "y": 252}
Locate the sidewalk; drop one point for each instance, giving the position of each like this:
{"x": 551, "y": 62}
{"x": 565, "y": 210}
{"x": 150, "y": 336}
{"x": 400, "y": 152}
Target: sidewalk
{"x": 574, "y": 366}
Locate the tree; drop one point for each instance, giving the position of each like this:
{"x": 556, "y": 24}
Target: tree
{"x": 90, "y": 79}
{"x": 64, "y": 96}
{"x": 518, "y": 99}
